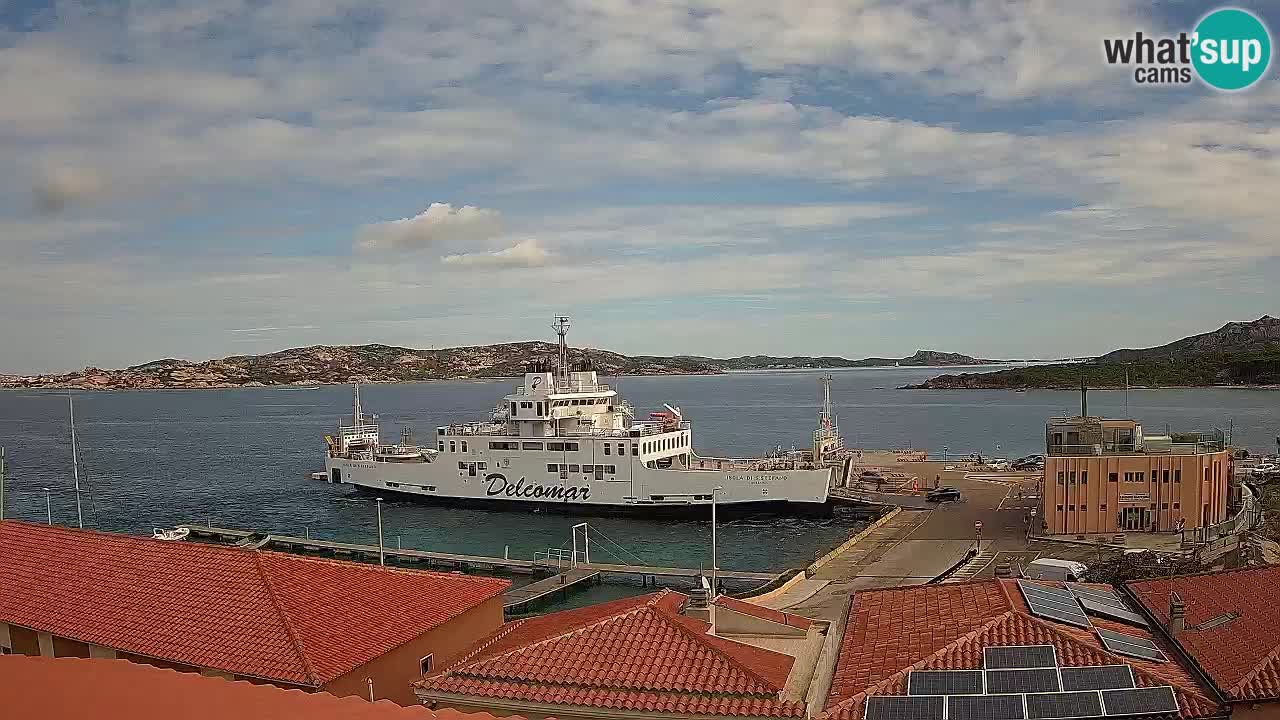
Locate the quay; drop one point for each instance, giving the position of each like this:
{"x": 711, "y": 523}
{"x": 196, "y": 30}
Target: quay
{"x": 564, "y": 574}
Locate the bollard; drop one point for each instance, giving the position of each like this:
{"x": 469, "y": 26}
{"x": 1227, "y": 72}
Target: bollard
{"x": 1003, "y": 570}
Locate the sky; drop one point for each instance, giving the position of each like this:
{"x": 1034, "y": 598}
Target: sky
{"x": 201, "y": 178}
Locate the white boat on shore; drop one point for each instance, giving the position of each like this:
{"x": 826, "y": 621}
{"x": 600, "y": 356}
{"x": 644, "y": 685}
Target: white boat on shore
{"x": 564, "y": 440}
{"x": 170, "y": 535}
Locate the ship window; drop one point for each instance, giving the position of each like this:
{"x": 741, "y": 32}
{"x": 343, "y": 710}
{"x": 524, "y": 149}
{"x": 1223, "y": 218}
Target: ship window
{"x": 513, "y": 409}
{"x": 571, "y": 446}
{"x": 482, "y": 465}
{"x": 439, "y": 431}
{"x": 431, "y": 488}
{"x": 555, "y": 447}
{"x": 622, "y": 449}
{"x": 462, "y": 466}
{"x": 573, "y": 467}
{"x": 606, "y": 448}
{"x": 588, "y": 468}
{"x": 611, "y": 469}
{"x": 540, "y": 409}
{"x": 464, "y": 446}
{"x": 635, "y": 449}
{"x": 503, "y": 445}
{"x": 552, "y": 467}
{"x": 452, "y": 446}
{"x": 440, "y": 446}
{"x": 531, "y": 445}
{"x": 526, "y": 405}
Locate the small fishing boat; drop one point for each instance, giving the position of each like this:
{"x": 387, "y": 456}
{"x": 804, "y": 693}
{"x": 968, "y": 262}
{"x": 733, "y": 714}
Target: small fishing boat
{"x": 171, "y": 535}
{"x": 320, "y": 475}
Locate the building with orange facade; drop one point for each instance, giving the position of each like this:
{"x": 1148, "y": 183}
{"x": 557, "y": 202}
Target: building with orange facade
{"x": 1104, "y": 475}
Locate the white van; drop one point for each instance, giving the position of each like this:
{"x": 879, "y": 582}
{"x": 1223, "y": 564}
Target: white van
{"x": 1055, "y": 569}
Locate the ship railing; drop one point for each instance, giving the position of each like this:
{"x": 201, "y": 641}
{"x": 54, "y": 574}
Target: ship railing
{"x": 477, "y": 429}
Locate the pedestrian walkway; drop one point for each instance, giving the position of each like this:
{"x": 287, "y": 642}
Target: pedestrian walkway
{"x": 975, "y": 565}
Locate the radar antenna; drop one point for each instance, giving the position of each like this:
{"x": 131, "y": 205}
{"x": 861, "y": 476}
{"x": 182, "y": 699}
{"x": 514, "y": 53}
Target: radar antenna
{"x": 562, "y": 328}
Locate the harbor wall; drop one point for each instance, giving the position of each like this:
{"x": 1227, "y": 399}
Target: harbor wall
{"x": 850, "y": 542}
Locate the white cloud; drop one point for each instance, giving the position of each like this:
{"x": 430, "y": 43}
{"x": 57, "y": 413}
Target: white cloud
{"x": 441, "y": 222}
{"x": 527, "y": 253}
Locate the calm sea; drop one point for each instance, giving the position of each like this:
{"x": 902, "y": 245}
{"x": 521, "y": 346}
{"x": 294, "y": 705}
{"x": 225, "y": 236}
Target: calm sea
{"x": 240, "y": 458}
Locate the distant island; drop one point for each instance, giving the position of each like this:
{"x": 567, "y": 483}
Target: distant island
{"x": 324, "y": 365}
{"x": 1238, "y": 353}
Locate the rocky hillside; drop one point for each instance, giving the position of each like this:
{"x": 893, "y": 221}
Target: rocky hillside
{"x": 323, "y": 364}
{"x": 1238, "y": 353}
{"x": 1234, "y": 337}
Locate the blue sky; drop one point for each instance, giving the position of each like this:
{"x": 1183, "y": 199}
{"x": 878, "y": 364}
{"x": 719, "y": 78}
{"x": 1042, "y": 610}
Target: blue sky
{"x": 198, "y": 178}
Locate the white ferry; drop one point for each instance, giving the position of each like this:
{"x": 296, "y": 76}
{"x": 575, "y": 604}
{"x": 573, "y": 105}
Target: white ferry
{"x": 565, "y": 441}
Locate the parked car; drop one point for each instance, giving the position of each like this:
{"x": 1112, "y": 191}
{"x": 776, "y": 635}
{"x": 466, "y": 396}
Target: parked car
{"x": 943, "y": 494}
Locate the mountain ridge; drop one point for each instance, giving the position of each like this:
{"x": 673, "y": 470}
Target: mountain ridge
{"x": 1238, "y": 353}
{"x": 376, "y": 362}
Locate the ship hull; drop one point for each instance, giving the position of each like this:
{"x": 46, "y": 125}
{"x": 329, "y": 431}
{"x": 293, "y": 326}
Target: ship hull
{"x": 486, "y": 480}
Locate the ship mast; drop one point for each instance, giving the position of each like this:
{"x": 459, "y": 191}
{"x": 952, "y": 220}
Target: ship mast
{"x": 562, "y": 328}
{"x": 356, "y": 413}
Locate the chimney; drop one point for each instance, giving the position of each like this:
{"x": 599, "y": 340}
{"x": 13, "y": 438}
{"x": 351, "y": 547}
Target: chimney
{"x": 1177, "y": 614}
{"x": 1084, "y": 398}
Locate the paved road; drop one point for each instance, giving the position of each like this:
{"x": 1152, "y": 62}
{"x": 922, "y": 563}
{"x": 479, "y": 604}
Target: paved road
{"x": 917, "y": 546}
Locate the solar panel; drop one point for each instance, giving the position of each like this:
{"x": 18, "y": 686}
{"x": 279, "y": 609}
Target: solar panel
{"x": 1062, "y": 705}
{"x": 1108, "y": 610}
{"x": 917, "y": 707}
{"x": 1053, "y": 604}
{"x": 1140, "y": 701}
{"x": 1130, "y": 646}
{"x": 944, "y": 682}
{"x": 1022, "y": 681}
{"x": 985, "y": 707}
{"x": 1100, "y": 677}
{"x": 1019, "y": 656}
{"x": 1098, "y": 594}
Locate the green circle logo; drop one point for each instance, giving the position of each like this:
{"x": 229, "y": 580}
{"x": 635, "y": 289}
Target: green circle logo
{"x": 1232, "y": 49}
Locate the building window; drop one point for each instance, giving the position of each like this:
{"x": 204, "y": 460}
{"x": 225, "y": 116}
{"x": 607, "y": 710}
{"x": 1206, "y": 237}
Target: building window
{"x": 1177, "y": 475}
{"x": 1176, "y": 506}
{"x": 1128, "y": 477}
{"x": 425, "y": 665}
{"x": 1113, "y": 477}
{"x": 606, "y": 448}
{"x": 1164, "y": 506}
{"x": 1084, "y": 477}
{"x": 1062, "y": 478}
{"x": 1059, "y": 508}
{"x": 1103, "y": 507}
{"x": 1165, "y": 476}
{"x": 531, "y": 445}
{"x": 1071, "y": 508}
{"x": 1138, "y": 476}
{"x": 1073, "y": 477}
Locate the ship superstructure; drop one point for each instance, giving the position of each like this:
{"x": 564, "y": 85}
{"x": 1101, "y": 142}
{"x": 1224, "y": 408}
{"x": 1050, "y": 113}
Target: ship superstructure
{"x": 567, "y": 440}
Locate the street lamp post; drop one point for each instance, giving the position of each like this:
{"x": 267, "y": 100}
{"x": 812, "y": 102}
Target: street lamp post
{"x": 714, "y": 564}
{"x": 382, "y": 556}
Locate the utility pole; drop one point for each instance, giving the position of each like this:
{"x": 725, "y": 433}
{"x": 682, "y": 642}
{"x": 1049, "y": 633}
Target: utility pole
{"x": 714, "y": 563}
{"x": 382, "y": 560}
{"x": 75, "y": 460}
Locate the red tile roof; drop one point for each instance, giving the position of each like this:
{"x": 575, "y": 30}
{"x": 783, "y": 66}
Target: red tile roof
{"x": 1241, "y": 656}
{"x": 764, "y": 613}
{"x": 945, "y": 627}
{"x": 633, "y": 654}
{"x": 262, "y": 614}
{"x": 76, "y": 689}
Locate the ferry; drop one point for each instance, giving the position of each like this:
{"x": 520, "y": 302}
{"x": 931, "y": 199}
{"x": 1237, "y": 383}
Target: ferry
{"x": 564, "y": 441}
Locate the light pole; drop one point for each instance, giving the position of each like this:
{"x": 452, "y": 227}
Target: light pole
{"x": 48, "y": 506}
{"x": 382, "y": 557}
{"x": 75, "y": 459}
{"x": 714, "y": 587}
{"x": 1, "y": 483}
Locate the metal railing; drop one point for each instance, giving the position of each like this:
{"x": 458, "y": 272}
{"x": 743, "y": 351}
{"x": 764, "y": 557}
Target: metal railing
{"x": 1196, "y": 448}
{"x": 1250, "y": 515}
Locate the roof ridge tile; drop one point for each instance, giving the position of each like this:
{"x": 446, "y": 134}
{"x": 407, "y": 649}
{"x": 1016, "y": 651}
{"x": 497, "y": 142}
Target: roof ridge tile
{"x": 701, "y": 639}
{"x": 286, "y": 621}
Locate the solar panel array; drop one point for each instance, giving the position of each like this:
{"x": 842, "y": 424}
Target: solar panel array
{"x": 1026, "y": 683}
{"x": 1053, "y": 603}
{"x": 1107, "y": 603}
{"x": 1130, "y": 646}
